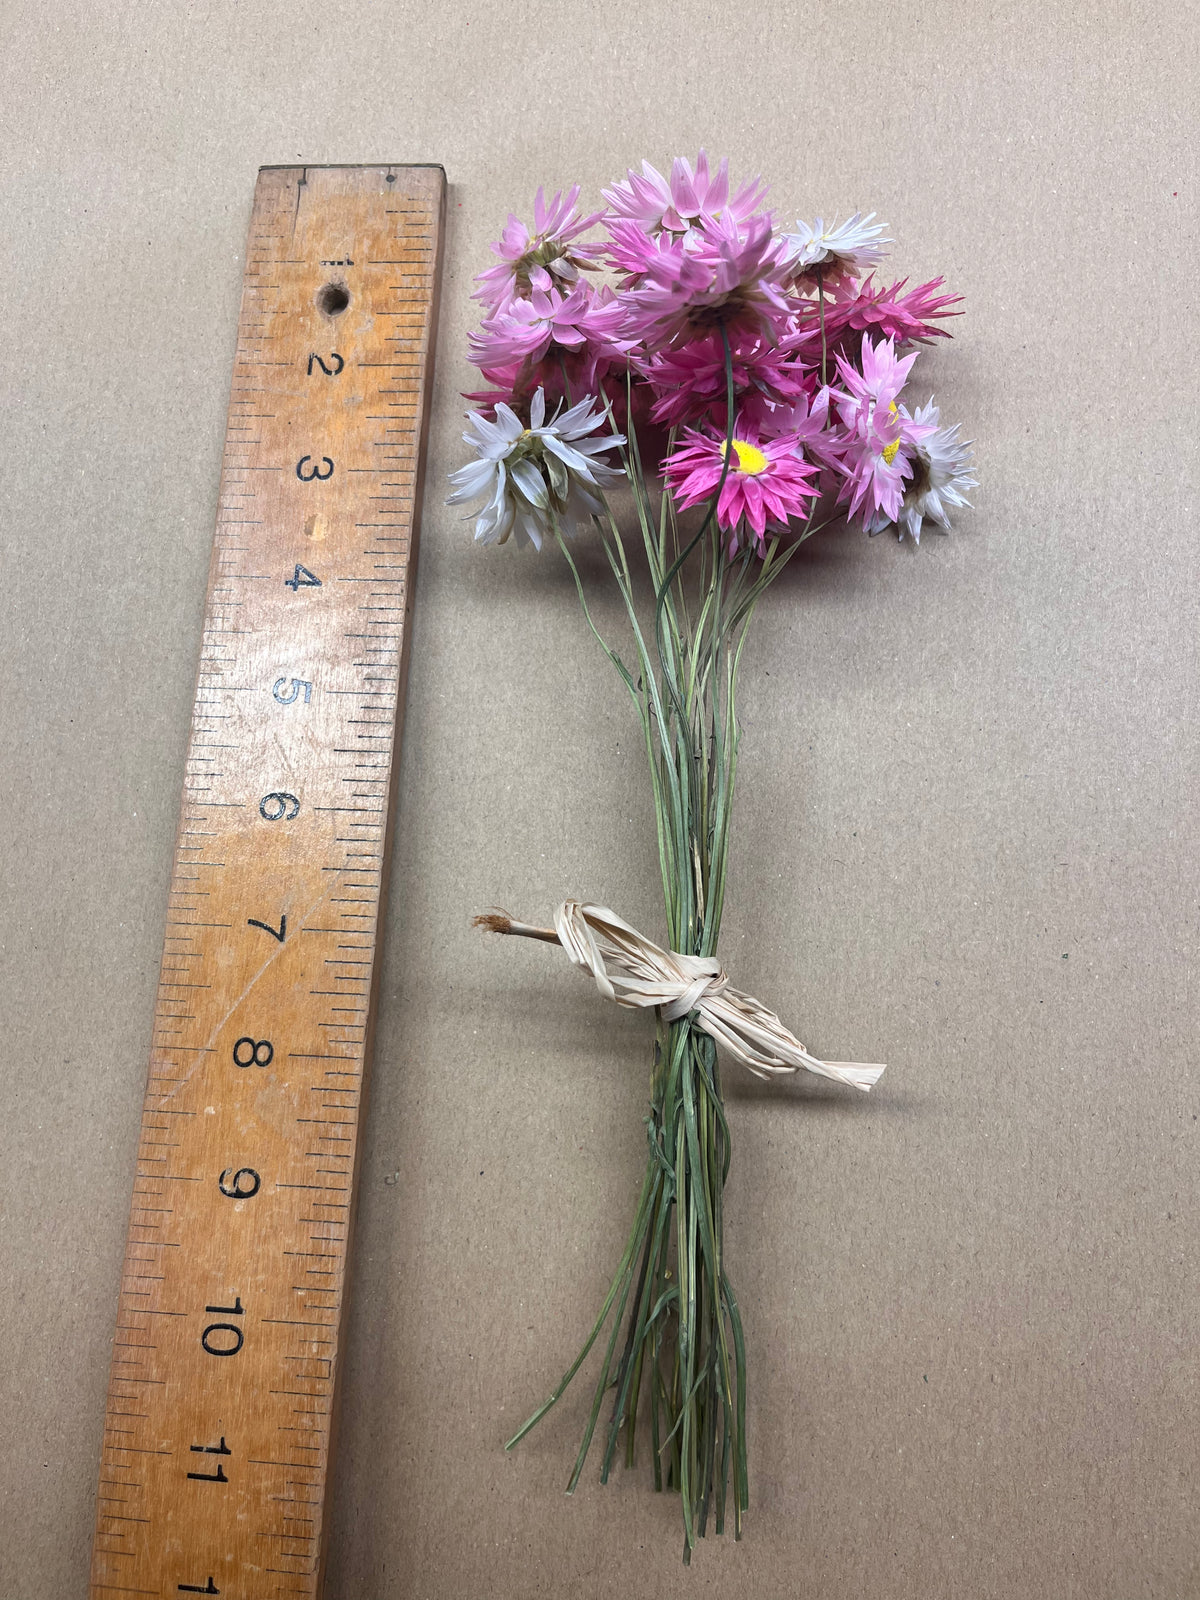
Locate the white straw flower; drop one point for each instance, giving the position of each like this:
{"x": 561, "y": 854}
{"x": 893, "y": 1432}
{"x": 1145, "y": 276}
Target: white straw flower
{"x": 535, "y": 478}
{"x": 941, "y": 472}
{"x": 842, "y": 251}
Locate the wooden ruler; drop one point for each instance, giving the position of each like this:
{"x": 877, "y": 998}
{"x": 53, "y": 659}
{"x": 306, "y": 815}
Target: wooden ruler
{"x": 232, "y": 1306}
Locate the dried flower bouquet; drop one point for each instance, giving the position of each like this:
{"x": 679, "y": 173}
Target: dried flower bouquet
{"x": 705, "y": 358}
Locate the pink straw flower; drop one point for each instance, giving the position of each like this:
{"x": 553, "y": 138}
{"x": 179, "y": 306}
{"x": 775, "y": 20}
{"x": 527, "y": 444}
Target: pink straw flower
{"x": 880, "y": 377}
{"x": 568, "y": 345}
{"x": 648, "y": 199}
{"x": 723, "y": 272}
{"x": 767, "y": 482}
{"x": 886, "y": 313}
{"x": 875, "y": 449}
{"x": 547, "y": 258}
{"x": 689, "y": 381}
{"x": 526, "y": 329}
{"x": 873, "y": 466}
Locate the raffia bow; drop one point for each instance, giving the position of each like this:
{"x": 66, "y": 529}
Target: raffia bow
{"x": 631, "y": 970}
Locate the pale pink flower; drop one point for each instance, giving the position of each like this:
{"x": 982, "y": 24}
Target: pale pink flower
{"x": 567, "y": 345}
{"x": 524, "y": 330}
{"x": 875, "y": 450}
{"x": 869, "y": 448}
{"x": 873, "y": 467}
{"x": 724, "y": 272}
{"x": 648, "y": 199}
{"x": 767, "y": 483}
{"x": 879, "y": 378}
{"x": 806, "y": 418}
{"x": 548, "y": 258}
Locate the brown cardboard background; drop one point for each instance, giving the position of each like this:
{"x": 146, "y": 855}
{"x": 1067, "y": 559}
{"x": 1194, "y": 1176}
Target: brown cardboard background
{"x": 966, "y": 839}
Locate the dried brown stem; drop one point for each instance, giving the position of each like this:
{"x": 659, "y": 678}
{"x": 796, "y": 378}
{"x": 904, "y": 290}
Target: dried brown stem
{"x": 501, "y": 922}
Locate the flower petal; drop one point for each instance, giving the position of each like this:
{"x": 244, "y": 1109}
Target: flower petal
{"x": 531, "y": 483}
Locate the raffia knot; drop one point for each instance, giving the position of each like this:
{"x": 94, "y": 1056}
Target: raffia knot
{"x": 633, "y": 971}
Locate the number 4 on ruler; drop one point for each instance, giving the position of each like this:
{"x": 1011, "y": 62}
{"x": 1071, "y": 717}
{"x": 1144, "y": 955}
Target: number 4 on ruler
{"x": 302, "y": 578}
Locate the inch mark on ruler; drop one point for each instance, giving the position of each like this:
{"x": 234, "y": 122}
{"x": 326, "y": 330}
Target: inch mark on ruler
{"x": 224, "y": 1375}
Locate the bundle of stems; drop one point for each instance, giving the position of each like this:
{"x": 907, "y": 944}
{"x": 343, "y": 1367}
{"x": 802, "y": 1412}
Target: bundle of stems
{"x": 815, "y": 357}
{"x": 675, "y": 1338}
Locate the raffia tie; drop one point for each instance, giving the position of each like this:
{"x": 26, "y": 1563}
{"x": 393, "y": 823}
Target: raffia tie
{"x": 631, "y": 970}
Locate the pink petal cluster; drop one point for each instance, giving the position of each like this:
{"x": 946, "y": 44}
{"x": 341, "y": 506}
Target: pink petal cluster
{"x": 654, "y": 203}
{"x": 725, "y": 272}
{"x": 689, "y": 380}
{"x": 885, "y": 312}
{"x": 689, "y": 281}
{"x": 878, "y": 436}
{"x": 548, "y": 257}
{"x": 767, "y": 481}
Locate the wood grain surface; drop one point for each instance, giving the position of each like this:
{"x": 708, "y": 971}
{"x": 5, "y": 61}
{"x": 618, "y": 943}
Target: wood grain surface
{"x": 224, "y": 1376}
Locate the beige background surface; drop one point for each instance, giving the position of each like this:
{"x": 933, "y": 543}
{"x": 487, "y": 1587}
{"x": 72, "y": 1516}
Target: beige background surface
{"x": 967, "y": 833}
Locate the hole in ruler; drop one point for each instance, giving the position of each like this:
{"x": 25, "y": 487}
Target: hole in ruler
{"x": 333, "y": 299}
{"x": 391, "y": 177}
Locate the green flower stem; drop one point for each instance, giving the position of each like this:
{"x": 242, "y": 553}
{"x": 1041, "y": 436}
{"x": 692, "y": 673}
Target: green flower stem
{"x": 621, "y": 1277}
{"x": 674, "y": 1332}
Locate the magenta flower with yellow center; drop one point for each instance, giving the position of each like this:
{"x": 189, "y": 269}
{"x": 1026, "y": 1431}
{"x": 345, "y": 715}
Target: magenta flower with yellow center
{"x": 767, "y": 481}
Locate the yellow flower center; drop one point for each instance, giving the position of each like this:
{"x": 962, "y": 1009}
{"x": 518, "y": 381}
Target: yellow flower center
{"x": 750, "y": 458}
{"x": 889, "y": 450}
